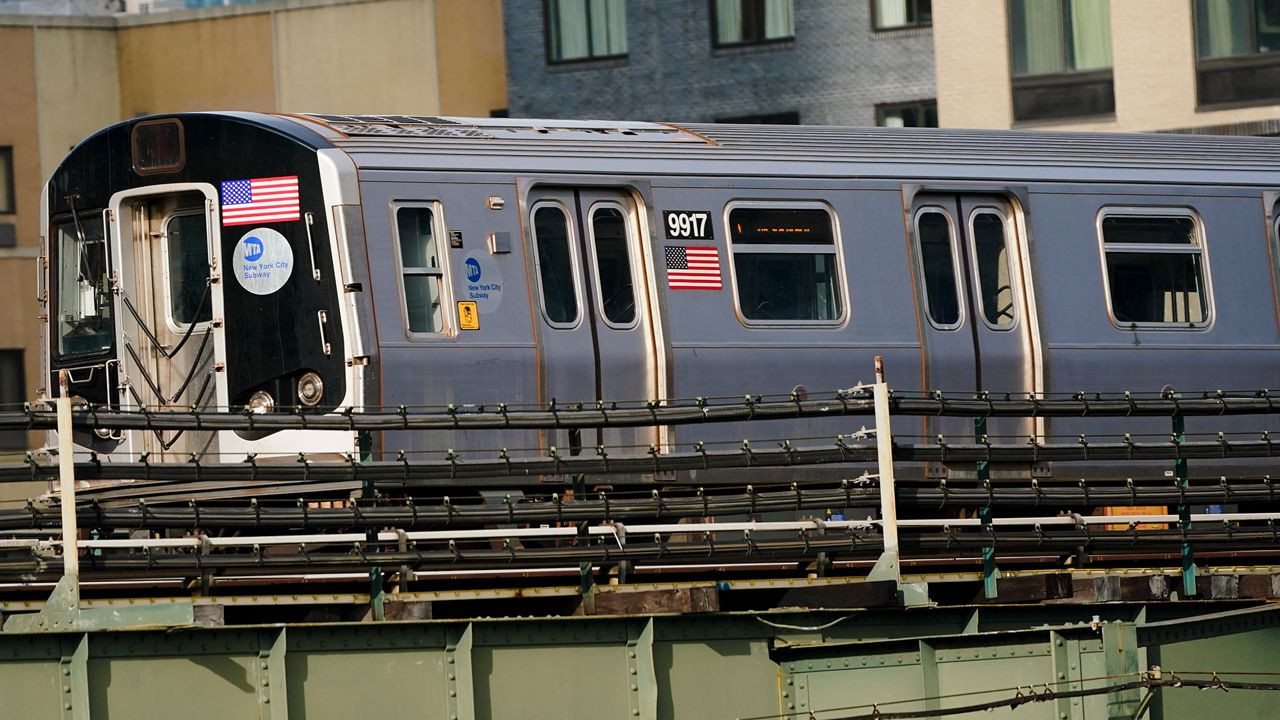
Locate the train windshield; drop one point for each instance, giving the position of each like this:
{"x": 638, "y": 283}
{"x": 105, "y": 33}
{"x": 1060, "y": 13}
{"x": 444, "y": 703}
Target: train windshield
{"x": 84, "y": 325}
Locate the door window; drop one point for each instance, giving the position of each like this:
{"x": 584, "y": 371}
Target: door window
{"x": 937, "y": 259}
{"x": 186, "y": 248}
{"x": 555, "y": 265}
{"x": 614, "y": 273}
{"x": 991, "y": 260}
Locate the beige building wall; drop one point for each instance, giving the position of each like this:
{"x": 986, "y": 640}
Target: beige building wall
{"x": 217, "y": 63}
{"x": 471, "y": 54}
{"x": 371, "y": 57}
{"x": 79, "y": 91}
{"x": 1153, "y": 51}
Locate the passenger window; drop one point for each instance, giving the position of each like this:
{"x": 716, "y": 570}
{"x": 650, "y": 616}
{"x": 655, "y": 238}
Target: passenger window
{"x": 555, "y": 265}
{"x": 785, "y": 264}
{"x": 613, "y": 265}
{"x": 991, "y": 255}
{"x": 1155, "y": 272}
{"x": 933, "y": 228}
{"x": 421, "y": 269}
{"x": 187, "y": 251}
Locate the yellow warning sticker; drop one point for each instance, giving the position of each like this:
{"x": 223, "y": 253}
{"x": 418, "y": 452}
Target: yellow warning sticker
{"x": 468, "y": 316}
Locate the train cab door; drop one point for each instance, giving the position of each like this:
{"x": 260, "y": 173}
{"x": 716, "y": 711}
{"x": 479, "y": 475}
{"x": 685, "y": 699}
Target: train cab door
{"x": 167, "y": 290}
{"x": 975, "y": 320}
{"x": 597, "y": 326}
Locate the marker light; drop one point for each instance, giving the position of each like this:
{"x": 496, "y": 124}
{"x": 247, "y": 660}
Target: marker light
{"x": 261, "y": 402}
{"x": 310, "y": 389}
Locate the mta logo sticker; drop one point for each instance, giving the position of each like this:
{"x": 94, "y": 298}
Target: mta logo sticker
{"x": 263, "y": 261}
{"x": 473, "y": 270}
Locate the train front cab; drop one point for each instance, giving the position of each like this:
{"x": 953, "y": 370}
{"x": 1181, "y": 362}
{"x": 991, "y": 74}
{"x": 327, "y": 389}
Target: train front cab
{"x": 171, "y": 287}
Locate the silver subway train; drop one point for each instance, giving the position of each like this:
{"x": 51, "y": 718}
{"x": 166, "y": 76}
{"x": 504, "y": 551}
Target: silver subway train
{"x": 314, "y": 263}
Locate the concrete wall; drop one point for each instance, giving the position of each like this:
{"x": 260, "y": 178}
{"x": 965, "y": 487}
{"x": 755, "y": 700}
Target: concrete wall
{"x": 835, "y": 71}
{"x": 1152, "y": 45}
{"x": 471, "y": 57}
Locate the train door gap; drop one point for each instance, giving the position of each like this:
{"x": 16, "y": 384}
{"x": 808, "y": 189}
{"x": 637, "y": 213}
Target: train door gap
{"x": 975, "y": 324}
{"x": 588, "y": 292}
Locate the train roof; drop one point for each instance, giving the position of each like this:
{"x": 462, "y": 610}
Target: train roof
{"x": 395, "y": 142}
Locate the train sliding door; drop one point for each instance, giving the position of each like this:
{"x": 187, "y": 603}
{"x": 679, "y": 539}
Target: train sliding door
{"x": 167, "y": 290}
{"x": 976, "y": 323}
{"x": 596, "y": 333}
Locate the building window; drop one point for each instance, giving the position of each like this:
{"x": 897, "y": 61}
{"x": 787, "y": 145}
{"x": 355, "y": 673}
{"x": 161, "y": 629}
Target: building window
{"x": 421, "y": 270}
{"x": 1154, "y": 268}
{"x": 915, "y": 114}
{"x": 554, "y": 248}
{"x": 1237, "y": 51}
{"x": 785, "y": 264}
{"x": 586, "y": 29}
{"x": 13, "y": 389}
{"x": 1061, "y": 58}
{"x": 6, "y": 181}
{"x": 782, "y": 118}
{"x": 749, "y": 22}
{"x": 895, "y": 14}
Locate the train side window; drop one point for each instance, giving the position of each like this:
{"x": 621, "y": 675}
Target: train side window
{"x": 614, "y": 273}
{"x": 555, "y": 265}
{"x": 420, "y": 268}
{"x": 937, "y": 259}
{"x": 991, "y": 261}
{"x": 786, "y": 265}
{"x": 1155, "y": 272}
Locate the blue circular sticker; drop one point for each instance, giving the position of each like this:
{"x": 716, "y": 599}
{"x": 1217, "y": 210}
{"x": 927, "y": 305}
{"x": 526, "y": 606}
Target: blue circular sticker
{"x": 473, "y": 270}
{"x": 263, "y": 261}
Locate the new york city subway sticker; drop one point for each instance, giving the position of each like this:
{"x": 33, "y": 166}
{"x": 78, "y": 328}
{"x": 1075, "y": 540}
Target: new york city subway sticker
{"x": 468, "y": 316}
{"x": 262, "y": 261}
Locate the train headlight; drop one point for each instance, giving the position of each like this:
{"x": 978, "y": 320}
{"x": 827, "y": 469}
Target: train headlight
{"x": 310, "y": 389}
{"x": 261, "y": 402}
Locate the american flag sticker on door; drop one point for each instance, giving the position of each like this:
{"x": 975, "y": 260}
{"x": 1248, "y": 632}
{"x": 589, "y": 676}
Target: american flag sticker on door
{"x": 260, "y": 200}
{"x": 692, "y": 267}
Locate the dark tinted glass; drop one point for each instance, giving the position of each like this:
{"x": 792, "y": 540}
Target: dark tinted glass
{"x": 158, "y": 146}
{"x": 555, "y": 265}
{"x": 993, "y": 268}
{"x": 1144, "y": 229}
{"x": 188, "y": 250}
{"x": 13, "y": 392}
{"x": 936, "y": 256}
{"x": 1156, "y": 287}
{"x": 786, "y": 286}
{"x": 752, "y": 226}
{"x": 613, "y": 263}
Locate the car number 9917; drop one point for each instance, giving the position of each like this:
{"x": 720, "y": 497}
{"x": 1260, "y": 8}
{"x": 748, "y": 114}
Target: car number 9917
{"x": 687, "y": 224}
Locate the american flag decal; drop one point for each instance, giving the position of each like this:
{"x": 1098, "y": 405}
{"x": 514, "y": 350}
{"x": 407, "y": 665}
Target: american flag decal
{"x": 692, "y": 268}
{"x": 260, "y": 200}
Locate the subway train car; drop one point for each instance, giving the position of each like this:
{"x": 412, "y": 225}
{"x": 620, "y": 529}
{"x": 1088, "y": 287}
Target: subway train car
{"x": 313, "y": 263}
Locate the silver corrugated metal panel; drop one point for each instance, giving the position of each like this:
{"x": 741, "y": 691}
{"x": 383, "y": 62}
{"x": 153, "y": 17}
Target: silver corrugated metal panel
{"x": 591, "y": 146}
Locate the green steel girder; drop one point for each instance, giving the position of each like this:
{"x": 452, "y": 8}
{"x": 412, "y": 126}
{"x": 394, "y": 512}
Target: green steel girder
{"x": 716, "y": 665}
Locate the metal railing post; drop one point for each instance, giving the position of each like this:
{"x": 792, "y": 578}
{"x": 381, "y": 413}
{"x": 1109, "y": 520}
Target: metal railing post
{"x": 884, "y": 456}
{"x": 67, "y": 481}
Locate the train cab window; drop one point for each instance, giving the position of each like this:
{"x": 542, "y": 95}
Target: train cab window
{"x": 187, "y": 262}
{"x": 937, "y": 259}
{"x": 991, "y": 262}
{"x": 555, "y": 265}
{"x": 1155, "y": 268}
{"x": 85, "y": 324}
{"x": 421, "y": 270}
{"x": 614, "y": 273}
{"x": 786, "y": 264}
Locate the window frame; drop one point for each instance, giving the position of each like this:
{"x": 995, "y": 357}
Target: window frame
{"x": 158, "y": 169}
{"x": 590, "y": 57}
{"x": 1251, "y": 60}
{"x": 918, "y": 105}
{"x": 55, "y": 287}
{"x": 8, "y": 198}
{"x": 976, "y": 280}
{"x": 762, "y": 42}
{"x": 956, "y": 268}
{"x": 631, "y": 244}
{"x": 575, "y": 264}
{"x": 173, "y": 323}
{"x": 15, "y": 440}
{"x": 1057, "y": 82}
{"x": 1200, "y": 248}
{"x": 877, "y": 27}
{"x": 842, "y": 286}
{"x": 448, "y": 326}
